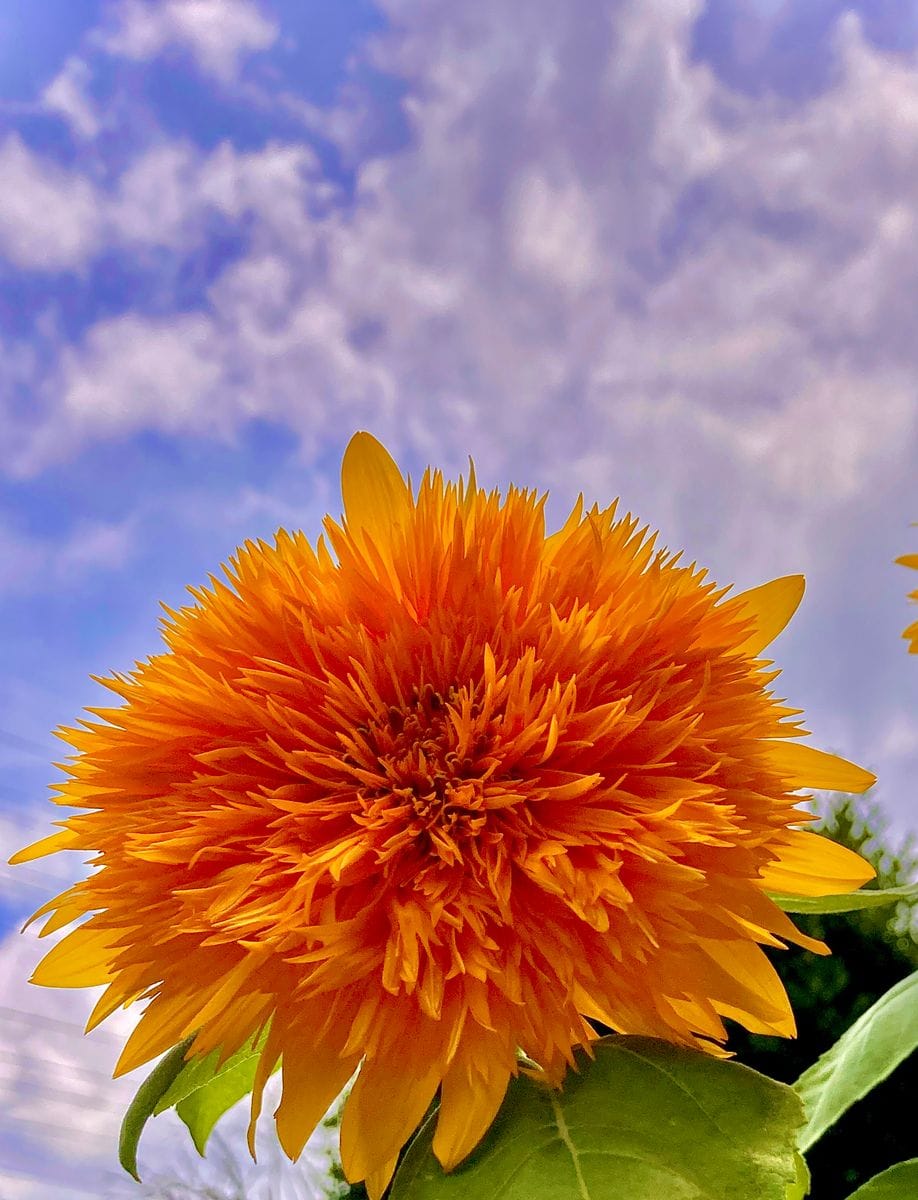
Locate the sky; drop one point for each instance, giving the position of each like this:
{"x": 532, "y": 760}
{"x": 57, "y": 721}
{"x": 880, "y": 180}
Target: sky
{"x": 662, "y": 250}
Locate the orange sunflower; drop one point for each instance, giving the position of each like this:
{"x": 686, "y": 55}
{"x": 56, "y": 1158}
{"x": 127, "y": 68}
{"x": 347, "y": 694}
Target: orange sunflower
{"x": 441, "y": 790}
{"x": 911, "y": 633}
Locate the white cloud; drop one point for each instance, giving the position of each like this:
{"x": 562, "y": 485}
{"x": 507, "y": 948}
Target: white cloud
{"x": 584, "y": 221}
{"x": 166, "y": 196}
{"x": 94, "y": 546}
{"x": 836, "y": 435}
{"x": 551, "y": 231}
{"x": 218, "y": 33}
{"x": 133, "y": 371}
{"x": 33, "y": 564}
{"x": 49, "y": 219}
{"x": 67, "y": 95}
{"x": 901, "y": 738}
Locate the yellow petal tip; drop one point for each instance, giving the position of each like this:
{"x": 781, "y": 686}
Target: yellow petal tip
{"x": 65, "y": 839}
{"x": 804, "y": 766}
{"x": 375, "y": 495}
{"x": 771, "y": 606}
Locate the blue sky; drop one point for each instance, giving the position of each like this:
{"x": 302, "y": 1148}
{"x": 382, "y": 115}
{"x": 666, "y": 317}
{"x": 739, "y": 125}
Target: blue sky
{"x": 641, "y": 249}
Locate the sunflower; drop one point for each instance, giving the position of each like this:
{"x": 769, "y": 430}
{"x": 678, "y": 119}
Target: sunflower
{"x": 911, "y": 633}
{"x": 437, "y": 791}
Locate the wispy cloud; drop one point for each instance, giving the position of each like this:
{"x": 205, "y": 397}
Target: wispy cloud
{"x": 219, "y": 34}
{"x": 68, "y": 95}
{"x": 611, "y": 232}
{"x": 35, "y": 564}
{"x": 49, "y": 218}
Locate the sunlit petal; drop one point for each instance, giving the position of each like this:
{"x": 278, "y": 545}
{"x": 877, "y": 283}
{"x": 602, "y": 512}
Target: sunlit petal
{"x": 771, "y": 606}
{"x": 811, "y": 865}
{"x": 376, "y": 497}
{"x": 804, "y": 766}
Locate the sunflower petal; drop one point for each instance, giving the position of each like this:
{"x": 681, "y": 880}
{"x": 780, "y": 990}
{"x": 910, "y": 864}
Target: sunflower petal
{"x": 472, "y": 1093}
{"x": 270, "y": 1054}
{"x": 66, "y": 839}
{"x": 384, "y": 1108}
{"x": 313, "y": 1073}
{"x": 376, "y": 497}
{"x": 64, "y": 914}
{"x": 377, "y": 1181}
{"x": 745, "y": 987}
{"x": 811, "y": 865}
{"x": 805, "y": 766}
{"x": 81, "y": 959}
{"x": 771, "y": 605}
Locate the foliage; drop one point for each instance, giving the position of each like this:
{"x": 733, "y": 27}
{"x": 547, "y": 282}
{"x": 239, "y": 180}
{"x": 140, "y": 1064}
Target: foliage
{"x": 863, "y": 1056}
{"x": 872, "y": 950}
{"x": 643, "y": 1119}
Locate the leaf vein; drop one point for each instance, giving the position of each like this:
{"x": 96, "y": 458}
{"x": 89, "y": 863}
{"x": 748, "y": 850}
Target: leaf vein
{"x": 569, "y": 1144}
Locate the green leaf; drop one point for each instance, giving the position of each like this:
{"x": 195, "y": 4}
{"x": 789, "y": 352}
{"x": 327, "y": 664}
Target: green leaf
{"x": 203, "y": 1106}
{"x": 847, "y": 901}
{"x": 800, "y": 1188}
{"x": 897, "y": 1183}
{"x": 861, "y": 1058}
{"x": 143, "y": 1106}
{"x": 200, "y": 1072}
{"x": 642, "y": 1121}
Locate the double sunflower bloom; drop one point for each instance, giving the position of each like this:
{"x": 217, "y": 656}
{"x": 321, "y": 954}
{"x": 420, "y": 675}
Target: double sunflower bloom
{"x": 439, "y": 790}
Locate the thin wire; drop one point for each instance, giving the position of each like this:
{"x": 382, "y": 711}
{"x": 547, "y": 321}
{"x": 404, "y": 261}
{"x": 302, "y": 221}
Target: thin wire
{"x": 90, "y": 1189}
{"x": 32, "y": 1089}
{"x": 81, "y": 1135}
{"x": 31, "y": 1018}
{"x": 26, "y": 1060}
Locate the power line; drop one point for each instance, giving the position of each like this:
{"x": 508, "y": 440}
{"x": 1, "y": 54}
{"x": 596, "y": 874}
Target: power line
{"x": 47, "y": 1130}
{"x": 30, "y": 1059}
{"x": 32, "y": 1018}
{"x": 89, "y": 1189}
{"x": 50, "y": 1092}
{"x": 21, "y": 874}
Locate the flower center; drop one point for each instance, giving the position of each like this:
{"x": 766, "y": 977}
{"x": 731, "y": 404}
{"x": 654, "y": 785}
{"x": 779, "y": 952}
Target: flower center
{"x": 424, "y": 784}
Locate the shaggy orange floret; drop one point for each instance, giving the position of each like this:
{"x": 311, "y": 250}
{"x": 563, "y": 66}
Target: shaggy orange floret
{"x": 437, "y": 791}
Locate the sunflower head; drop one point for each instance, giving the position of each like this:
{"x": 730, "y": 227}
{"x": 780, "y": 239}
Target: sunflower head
{"x": 435, "y": 791}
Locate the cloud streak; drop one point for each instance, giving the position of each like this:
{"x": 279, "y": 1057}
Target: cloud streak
{"x": 612, "y": 233}
{"x": 219, "y": 34}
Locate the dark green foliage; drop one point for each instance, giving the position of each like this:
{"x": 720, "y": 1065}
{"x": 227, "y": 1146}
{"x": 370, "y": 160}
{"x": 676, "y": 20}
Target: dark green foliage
{"x": 871, "y": 951}
{"x": 357, "y": 1192}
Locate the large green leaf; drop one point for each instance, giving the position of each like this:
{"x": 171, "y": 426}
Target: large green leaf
{"x": 144, "y": 1104}
{"x": 847, "y": 901}
{"x": 897, "y": 1183}
{"x": 200, "y": 1091}
{"x": 200, "y": 1072}
{"x": 203, "y": 1105}
{"x": 642, "y": 1121}
{"x": 800, "y": 1188}
{"x": 205, "y": 1089}
{"x": 861, "y": 1058}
